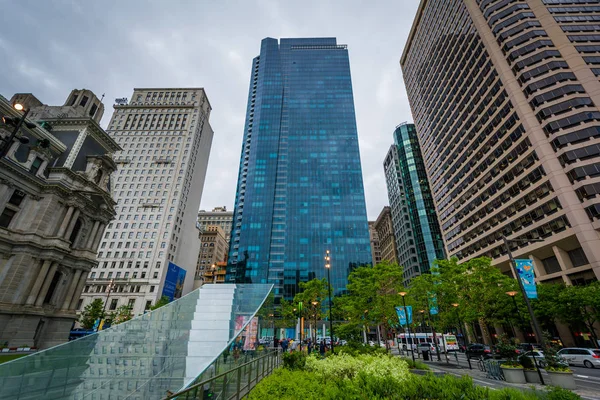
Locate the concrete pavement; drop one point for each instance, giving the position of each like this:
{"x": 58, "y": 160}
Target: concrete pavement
{"x": 587, "y": 380}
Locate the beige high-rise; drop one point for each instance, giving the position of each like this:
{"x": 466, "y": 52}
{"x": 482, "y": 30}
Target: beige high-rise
{"x": 505, "y": 96}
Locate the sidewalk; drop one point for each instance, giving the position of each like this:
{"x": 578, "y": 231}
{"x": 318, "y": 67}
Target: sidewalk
{"x": 479, "y": 377}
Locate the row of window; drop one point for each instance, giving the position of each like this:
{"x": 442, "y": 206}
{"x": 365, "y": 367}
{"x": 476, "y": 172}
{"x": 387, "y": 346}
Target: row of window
{"x": 565, "y": 106}
{"x": 579, "y": 173}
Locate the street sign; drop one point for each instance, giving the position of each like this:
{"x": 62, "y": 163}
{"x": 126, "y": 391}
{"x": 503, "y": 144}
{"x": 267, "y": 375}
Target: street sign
{"x": 527, "y": 276}
{"x": 402, "y": 315}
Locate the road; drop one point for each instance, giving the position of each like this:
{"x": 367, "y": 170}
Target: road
{"x": 587, "y": 379}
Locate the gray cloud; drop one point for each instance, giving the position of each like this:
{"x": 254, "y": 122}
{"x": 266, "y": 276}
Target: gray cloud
{"x": 50, "y": 47}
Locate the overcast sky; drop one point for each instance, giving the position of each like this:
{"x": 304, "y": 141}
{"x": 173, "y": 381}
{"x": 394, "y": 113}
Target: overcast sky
{"x": 48, "y": 47}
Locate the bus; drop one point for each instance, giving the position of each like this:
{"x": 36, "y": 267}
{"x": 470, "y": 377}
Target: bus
{"x": 445, "y": 342}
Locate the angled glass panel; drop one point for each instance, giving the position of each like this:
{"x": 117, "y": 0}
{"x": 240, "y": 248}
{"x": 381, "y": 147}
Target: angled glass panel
{"x": 161, "y": 351}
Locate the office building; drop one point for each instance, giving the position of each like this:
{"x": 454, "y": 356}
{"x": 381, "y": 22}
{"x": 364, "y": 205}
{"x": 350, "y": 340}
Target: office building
{"x": 55, "y": 201}
{"x": 505, "y": 98}
{"x": 418, "y": 238}
{"x": 213, "y": 250}
{"x": 218, "y": 216}
{"x": 166, "y": 138}
{"x": 300, "y": 189}
{"x": 374, "y": 240}
{"x": 387, "y": 239}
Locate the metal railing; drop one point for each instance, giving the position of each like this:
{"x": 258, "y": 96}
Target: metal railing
{"x": 232, "y": 384}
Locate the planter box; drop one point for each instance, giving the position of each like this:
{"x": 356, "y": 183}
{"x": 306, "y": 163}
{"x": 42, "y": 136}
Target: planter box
{"x": 564, "y": 380}
{"x": 532, "y": 376}
{"x": 514, "y": 375}
{"x": 5, "y": 350}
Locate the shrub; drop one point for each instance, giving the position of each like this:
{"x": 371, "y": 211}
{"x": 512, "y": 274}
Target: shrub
{"x": 342, "y": 377}
{"x": 526, "y": 362}
{"x": 294, "y": 360}
{"x": 416, "y": 364}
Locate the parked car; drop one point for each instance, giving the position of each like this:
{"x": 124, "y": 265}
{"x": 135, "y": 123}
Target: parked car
{"x": 538, "y": 355}
{"x": 589, "y": 358}
{"x": 478, "y": 350}
{"x": 525, "y": 347}
{"x": 421, "y": 347}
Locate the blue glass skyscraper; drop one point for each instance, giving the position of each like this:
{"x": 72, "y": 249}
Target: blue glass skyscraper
{"x": 300, "y": 189}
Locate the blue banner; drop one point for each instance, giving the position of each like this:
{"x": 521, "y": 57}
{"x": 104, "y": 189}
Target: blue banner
{"x": 402, "y": 315}
{"x": 174, "y": 282}
{"x": 433, "y": 306}
{"x": 527, "y": 276}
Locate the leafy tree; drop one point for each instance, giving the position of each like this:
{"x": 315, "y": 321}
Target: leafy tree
{"x": 120, "y": 315}
{"x": 373, "y": 295}
{"x": 91, "y": 313}
{"x": 163, "y": 301}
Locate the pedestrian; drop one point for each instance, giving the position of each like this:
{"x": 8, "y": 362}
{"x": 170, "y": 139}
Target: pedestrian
{"x": 322, "y": 348}
{"x": 293, "y": 345}
{"x": 309, "y": 346}
{"x": 284, "y": 345}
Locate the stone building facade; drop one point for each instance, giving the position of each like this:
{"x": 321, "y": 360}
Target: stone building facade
{"x": 213, "y": 250}
{"x": 375, "y": 246}
{"x": 387, "y": 240}
{"x": 55, "y": 203}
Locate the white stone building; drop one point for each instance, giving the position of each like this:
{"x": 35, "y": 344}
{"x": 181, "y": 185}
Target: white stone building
{"x": 54, "y": 205}
{"x": 166, "y": 140}
{"x": 218, "y": 216}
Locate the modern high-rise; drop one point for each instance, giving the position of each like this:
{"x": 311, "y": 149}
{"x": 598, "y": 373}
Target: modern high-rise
{"x": 505, "y": 97}
{"x": 218, "y": 216}
{"x": 300, "y": 189}
{"x": 418, "y": 238}
{"x": 152, "y": 246}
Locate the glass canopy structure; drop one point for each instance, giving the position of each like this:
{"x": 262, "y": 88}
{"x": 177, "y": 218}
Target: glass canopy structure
{"x": 147, "y": 357}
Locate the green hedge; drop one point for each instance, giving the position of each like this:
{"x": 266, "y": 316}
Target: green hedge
{"x": 380, "y": 377}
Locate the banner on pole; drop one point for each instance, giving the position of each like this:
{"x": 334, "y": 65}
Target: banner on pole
{"x": 402, "y": 315}
{"x": 527, "y": 276}
{"x": 433, "y": 306}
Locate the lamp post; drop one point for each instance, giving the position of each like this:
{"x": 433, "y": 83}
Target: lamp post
{"x": 109, "y": 289}
{"x": 314, "y": 303}
{"x": 459, "y": 328}
{"x": 513, "y": 294}
{"x": 433, "y": 334}
{"x": 412, "y": 351}
{"x": 214, "y": 272}
{"x": 328, "y": 266}
{"x": 17, "y": 123}
{"x": 513, "y": 264}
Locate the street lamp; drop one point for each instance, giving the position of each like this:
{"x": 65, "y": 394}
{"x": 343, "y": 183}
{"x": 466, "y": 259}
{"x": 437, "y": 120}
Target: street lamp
{"x": 109, "y": 289}
{"x": 214, "y": 272}
{"x": 314, "y": 303}
{"x": 412, "y": 351}
{"x": 455, "y": 305}
{"x": 328, "y": 266}
{"x": 17, "y": 123}
{"x": 512, "y": 294}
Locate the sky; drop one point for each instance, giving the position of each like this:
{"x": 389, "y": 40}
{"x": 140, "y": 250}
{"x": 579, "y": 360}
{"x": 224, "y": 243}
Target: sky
{"x": 49, "y": 47}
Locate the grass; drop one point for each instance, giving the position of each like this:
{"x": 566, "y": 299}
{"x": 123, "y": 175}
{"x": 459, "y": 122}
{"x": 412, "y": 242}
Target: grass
{"x": 9, "y": 357}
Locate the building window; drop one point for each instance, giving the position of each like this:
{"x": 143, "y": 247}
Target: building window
{"x": 113, "y": 304}
{"x": 578, "y": 257}
{"x": 16, "y": 198}
{"x": 6, "y": 217}
{"x": 131, "y": 303}
{"x": 79, "y": 303}
{"x": 75, "y": 232}
{"x": 83, "y": 101}
{"x": 35, "y": 165}
{"x": 151, "y": 289}
{"x": 551, "y": 265}
{"x": 148, "y": 304}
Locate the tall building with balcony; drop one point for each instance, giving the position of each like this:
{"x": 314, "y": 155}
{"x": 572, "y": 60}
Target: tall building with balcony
{"x": 505, "y": 97}
{"x": 300, "y": 189}
{"x": 166, "y": 138}
{"x": 387, "y": 238}
{"x": 219, "y": 216}
{"x": 418, "y": 238}
{"x": 55, "y": 202}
